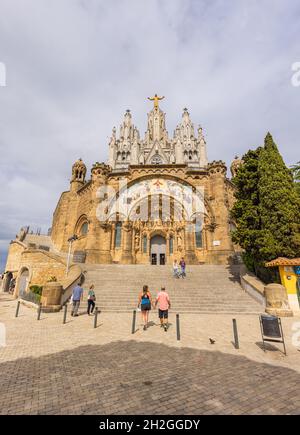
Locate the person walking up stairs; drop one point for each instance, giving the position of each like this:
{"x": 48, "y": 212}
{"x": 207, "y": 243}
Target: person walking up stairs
{"x": 164, "y": 304}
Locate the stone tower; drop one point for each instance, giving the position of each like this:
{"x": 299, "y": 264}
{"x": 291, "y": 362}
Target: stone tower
{"x": 78, "y": 175}
{"x": 157, "y": 148}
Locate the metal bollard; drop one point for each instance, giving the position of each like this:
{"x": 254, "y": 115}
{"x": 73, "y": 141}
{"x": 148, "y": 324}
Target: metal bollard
{"x": 177, "y": 327}
{"x": 133, "y": 322}
{"x": 96, "y": 317}
{"x": 18, "y": 308}
{"x": 235, "y": 334}
{"x": 39, "y": 311}
{"x": 65, "y": 313}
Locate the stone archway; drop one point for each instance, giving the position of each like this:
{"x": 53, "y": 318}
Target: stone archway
{"x": 6, "y": 281}
{"x": 23, "y": 281}
{"x": 158, "y": 250}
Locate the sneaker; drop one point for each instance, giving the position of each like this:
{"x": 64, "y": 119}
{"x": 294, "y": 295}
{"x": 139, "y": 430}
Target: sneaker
{"x": 165, "y": 328}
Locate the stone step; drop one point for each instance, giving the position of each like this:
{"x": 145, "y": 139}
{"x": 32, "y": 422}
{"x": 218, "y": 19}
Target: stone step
{"x": 192, "y": 311}
{"x": 206, "y": 289}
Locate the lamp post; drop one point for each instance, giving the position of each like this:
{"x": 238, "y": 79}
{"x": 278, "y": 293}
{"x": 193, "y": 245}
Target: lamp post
{"x": 70, "y": 240}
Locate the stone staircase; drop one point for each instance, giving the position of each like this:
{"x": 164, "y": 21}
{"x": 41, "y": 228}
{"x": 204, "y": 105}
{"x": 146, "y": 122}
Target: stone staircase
{"x": 206, "y": 289}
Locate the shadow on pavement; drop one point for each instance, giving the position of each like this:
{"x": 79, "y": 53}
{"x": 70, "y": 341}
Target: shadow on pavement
{"x": 129, "y": 377}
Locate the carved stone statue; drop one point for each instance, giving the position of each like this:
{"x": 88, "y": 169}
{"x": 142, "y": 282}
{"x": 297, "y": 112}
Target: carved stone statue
{"x": 179, "y": 242}
{"x": 156, "y": 99}
{"x": 137, "y": 242}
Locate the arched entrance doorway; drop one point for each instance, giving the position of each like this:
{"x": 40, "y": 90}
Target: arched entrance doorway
{"x": 23, "y": 282}
{"x": 6, "y": 281}
{"x": 158, "y": 250}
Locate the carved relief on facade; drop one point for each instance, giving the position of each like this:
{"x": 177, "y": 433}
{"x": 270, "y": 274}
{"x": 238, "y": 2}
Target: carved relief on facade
{"x": 164, "y": 177}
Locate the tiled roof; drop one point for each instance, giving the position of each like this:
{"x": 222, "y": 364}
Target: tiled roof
{"x": 281, "y": 261}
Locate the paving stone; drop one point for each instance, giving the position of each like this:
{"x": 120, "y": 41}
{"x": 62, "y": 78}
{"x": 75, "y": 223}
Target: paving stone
{"x": 50, "y": 368}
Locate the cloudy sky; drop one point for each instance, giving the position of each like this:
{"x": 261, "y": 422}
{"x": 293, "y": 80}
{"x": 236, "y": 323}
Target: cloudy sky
{"x": 74, "y": 66}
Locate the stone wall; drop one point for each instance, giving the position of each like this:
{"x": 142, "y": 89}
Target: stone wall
{"x": 41, "y": 266}
{"x": 217, "y": 246}
{"x": 14, "y": 256}
{"x": 253, "y": 286}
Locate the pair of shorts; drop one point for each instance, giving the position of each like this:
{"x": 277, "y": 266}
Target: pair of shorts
{"x": 163, "y": 314}
{"x": 145, "y": 307}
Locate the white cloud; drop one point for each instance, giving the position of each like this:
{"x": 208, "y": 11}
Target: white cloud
{"x": 74, "y": 67}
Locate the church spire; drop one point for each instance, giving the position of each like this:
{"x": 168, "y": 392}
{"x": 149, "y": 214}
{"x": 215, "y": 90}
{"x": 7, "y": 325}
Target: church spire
{"x": 186, "y": 146}
{"x": 156, "y": 130}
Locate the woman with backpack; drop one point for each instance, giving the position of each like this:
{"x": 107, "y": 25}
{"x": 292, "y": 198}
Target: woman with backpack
{"x": 91, "y": 300}
{"x": 145, "y": 302}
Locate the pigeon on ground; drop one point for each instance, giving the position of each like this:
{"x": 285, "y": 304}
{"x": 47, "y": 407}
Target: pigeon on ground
{"x": 212, "y": 341}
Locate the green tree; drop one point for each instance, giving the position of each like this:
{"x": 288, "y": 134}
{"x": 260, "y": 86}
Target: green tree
{"x": 279, "y": 205}
{"x": 267, "y": 209}
{"x": 296, "y": 173}
{"x": 245, "y": 211}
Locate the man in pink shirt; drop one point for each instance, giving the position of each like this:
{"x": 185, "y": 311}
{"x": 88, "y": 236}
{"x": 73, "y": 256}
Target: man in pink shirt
{"x": 164, "y": 304}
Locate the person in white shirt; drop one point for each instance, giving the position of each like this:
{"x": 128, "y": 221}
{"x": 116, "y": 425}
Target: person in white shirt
{"x": 175, "y": 269}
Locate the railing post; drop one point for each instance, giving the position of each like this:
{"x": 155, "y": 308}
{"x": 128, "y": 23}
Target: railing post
{"x": 96, "y": 317}
{"x": 235, "y": 334}
{"x": 65, "y": 313}
{"x": 177, "y": 327}
{"x": 133, "y": 322}
{"x": 39, "y": 311}
{"x": 18, "y": 308}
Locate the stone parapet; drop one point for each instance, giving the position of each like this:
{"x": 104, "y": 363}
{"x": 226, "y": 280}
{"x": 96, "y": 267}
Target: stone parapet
{"x": 253, "y": 286}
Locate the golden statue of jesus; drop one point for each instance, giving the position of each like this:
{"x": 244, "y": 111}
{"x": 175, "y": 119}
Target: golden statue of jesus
{"x": 156, "y": 99}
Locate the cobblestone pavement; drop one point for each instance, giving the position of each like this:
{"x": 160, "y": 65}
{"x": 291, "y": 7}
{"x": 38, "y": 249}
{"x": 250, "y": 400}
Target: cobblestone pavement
{"x": 51, "y": 368}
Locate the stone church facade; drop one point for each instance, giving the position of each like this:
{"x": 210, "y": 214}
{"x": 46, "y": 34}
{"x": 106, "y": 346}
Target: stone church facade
{"x": 99, "y": 220}
{"x": 154, "y": 164}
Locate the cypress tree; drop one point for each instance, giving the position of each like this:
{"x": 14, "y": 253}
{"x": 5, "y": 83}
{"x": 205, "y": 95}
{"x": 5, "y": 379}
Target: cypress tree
{"x": 245, "y": 211}
{"x": 279, "y": 206}
{"x": 296, "y": 173}
{"x": 267, "y": 210}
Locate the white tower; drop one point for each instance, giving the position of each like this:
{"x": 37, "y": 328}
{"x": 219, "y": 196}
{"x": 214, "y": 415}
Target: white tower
{"x": 157, "y": 148}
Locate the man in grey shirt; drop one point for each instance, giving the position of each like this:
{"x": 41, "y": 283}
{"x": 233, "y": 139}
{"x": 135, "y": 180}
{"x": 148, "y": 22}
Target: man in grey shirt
{"x": 76, "y": 297}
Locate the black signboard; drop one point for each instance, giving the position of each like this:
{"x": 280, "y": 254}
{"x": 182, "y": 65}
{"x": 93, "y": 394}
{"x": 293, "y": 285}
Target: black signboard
{"x": 270, "y": 325}
{"x": 271, "y": 330}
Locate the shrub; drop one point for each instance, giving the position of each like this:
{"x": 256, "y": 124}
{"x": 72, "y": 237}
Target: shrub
{"x": 36, "y": 289}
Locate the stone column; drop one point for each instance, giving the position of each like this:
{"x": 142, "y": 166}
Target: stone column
{"x": 92, "y": 247}
{"x": 99, "y": 235}
{"x": 175, "y": 248}
{"x": 219, "y": 202}
{"x": 113, "y": 235}
{"x": 168, "y": 245}
{"x": 105, "y": 243}
{"x": 133, "y": 246}
{"x": 127, "y": 257}
{"x": 149, "y": 246}
{"x": 190, "y": 255}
